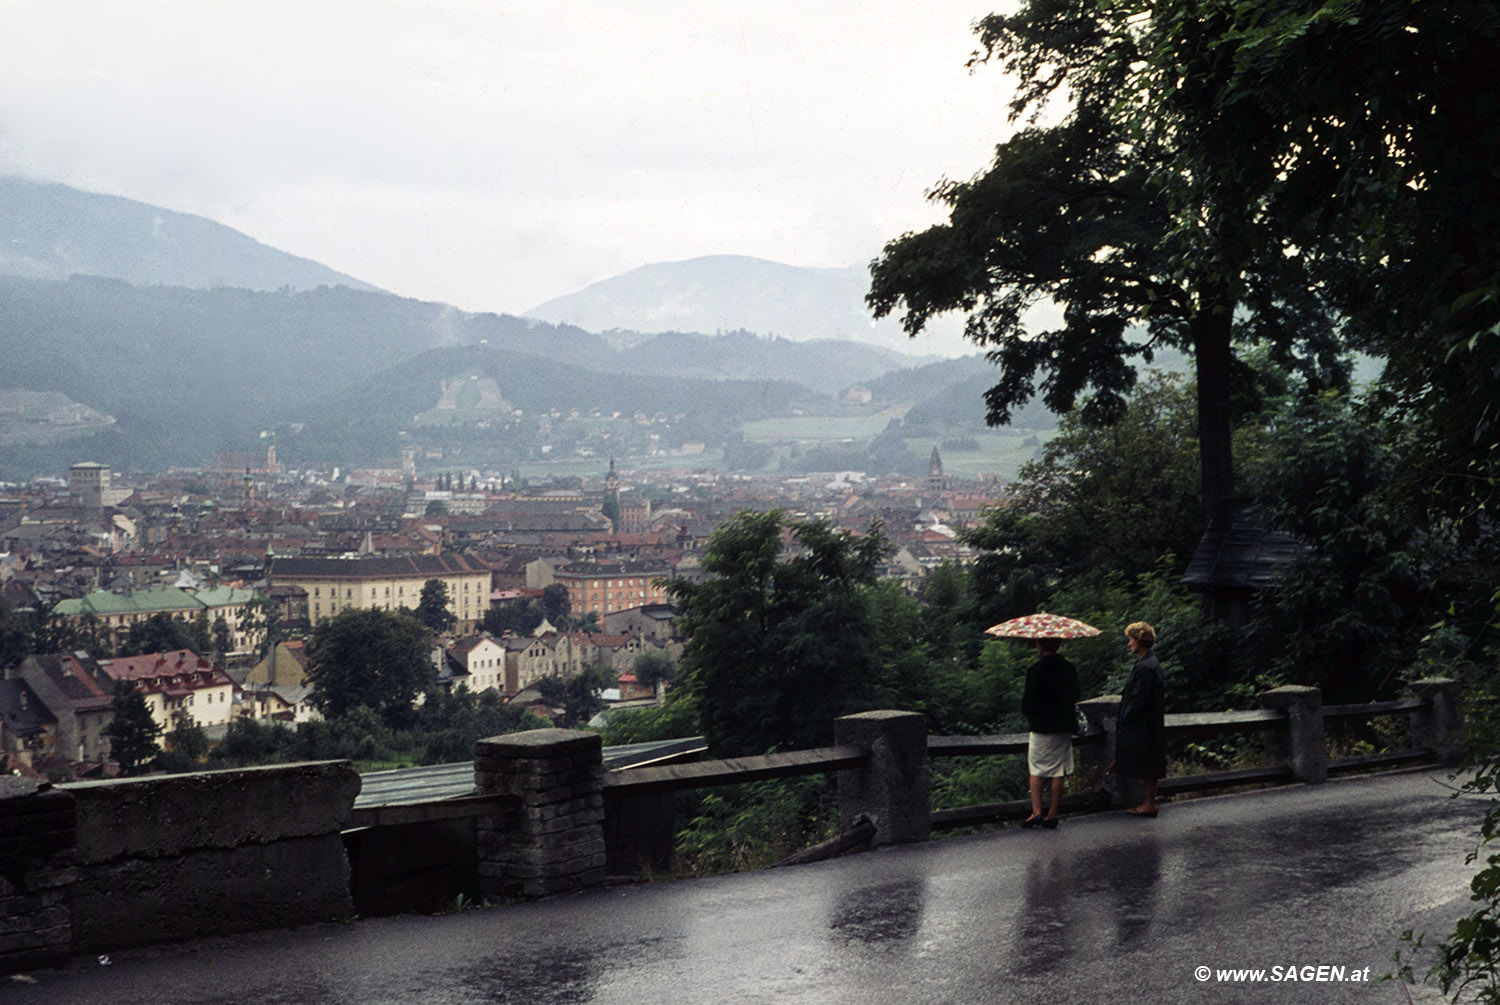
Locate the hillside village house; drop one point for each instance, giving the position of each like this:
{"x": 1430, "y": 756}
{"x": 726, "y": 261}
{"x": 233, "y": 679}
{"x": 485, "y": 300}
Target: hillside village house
{"x": 80, "y": 697}
{"x": 28, "y": 730}
{"x": 605, "y": 587}
{"x": 548, "y": 653}
{"x": 285, "y": 664}
{"x": 475, "y": 661}
{"x": 178, "y": 681}
{"x": 339, "y": 584}
{"x": 287, "y": 704}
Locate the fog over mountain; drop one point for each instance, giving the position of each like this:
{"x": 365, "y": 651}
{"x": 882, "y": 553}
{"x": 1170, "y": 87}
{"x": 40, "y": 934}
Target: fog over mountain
{"x": 728, "y": 292}
{"x": 145, "y": 338}
{"x": 52, "y": 231}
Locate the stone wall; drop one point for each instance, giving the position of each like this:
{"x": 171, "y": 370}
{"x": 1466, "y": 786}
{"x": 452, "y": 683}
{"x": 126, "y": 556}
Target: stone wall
{"x": 556, "y": 841}
{"x": 180, "y": 856}
{"x": 36, "y": 875}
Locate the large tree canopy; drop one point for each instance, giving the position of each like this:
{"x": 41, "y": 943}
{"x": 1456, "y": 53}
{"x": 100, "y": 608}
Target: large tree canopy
{"x": 778, "y": 646}
{"x": 370, "y": 657}
{"x": 1289, "y": 173}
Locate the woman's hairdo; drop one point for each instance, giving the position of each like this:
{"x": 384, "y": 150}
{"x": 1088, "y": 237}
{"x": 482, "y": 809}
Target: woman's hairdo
{"x": 1142, "y": 633}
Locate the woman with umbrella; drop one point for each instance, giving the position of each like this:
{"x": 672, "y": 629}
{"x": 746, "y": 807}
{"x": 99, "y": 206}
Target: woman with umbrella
{"x": 1048, "y": 702}
{"x": 1140, "y": 737}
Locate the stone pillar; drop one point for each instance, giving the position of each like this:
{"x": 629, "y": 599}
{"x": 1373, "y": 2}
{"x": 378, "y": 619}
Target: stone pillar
{"x": 1439, "y": 723}
{"x": 556, "y": 840}
{"x": 1094, "y": 761}
{"x": 1303, "y": 747}
{"x": 894, "y": 788}
{"x": 37, "y": 875}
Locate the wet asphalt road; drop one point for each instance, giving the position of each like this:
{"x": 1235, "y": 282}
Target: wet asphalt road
{"x": 1105, "y": 909}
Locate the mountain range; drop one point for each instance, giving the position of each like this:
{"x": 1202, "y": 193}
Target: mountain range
{"x": 726, "y": 292}
{"x": 54, "y": 231}
{"x": 164, "y": 338}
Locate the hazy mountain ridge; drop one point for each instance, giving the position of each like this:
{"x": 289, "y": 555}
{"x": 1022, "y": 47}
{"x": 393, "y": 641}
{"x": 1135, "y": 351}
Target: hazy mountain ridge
{"x": 719, "y": 293}
{"x": 159, "y": 375}
{"x": 188, "y": 373}
{"x": 50, "y": 231}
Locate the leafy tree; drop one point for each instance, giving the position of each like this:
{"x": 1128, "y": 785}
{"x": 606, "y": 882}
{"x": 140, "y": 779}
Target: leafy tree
{"x": 556, "y": 604}
{"x": 16, "y": 636}
{"x": 1100, "y": 215}
{"x": 432, "y": 608}
{"x": 653, "y": 666}
{"x": 1379, "y": 577}
{"x": 777, "y": 648}
{"x": 222, "y": 642}
{"x": 248, "y": 742}
{"x": 187, "y": 744}
{"x": 1361, "y": 133}
{"x": 161, "y": 633}
{"x": 265, "y": 617}
{"x": 132, "y": 732}
{"x": 744, "y": 455}
{"x": 370, "y": 657}
{"x": 582, "y": 700}
{"x": 520, "y": 618}
{"x": 200, "y": 632}
{"x": 1097, "y": 501}
{"x": 676, "y": 719}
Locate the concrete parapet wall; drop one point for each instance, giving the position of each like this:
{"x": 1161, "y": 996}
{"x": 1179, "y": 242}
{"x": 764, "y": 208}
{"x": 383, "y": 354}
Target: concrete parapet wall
{"x": 164, "y": 815}
{"x": 136, "y": 901}
{"x": 210, "y": 853}
{"x": 37, "y": 874}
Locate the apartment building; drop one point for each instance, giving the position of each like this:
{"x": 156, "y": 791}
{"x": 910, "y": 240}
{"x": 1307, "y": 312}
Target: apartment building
{"x": 337, "y": 584}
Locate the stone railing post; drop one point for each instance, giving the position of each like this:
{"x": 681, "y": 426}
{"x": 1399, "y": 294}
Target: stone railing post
{"x": 37, "y": 875}
{"x": 894, "y": 788}
{"x": 555, "y": 841}
{"x": 1102, "y": 713}
{"x": 1438, "y": 723}
{"x": 1303, "y": 747}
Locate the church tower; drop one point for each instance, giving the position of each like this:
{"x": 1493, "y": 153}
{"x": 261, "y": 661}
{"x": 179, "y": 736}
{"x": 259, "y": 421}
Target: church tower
{"x": 937, "y": 484}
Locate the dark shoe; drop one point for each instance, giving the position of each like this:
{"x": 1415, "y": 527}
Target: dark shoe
{"x": 1031, "y": 821}
{"x": 1138, "y": 812}
{"x": 1050, "y": 823}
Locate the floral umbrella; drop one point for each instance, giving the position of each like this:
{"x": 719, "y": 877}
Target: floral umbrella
{"x": 1042, "y": 626}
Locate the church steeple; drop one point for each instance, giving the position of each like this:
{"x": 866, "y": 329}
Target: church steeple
{"x": 937, "y": 484}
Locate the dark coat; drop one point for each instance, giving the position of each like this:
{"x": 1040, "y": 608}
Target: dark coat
{"x": 1140, "y": 737}
{"x": 1050, "y": 694}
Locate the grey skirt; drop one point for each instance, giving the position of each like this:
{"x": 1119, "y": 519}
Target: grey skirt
{"x": 1049, "y": 755}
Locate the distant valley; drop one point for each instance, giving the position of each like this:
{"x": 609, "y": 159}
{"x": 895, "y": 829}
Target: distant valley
{"x": 161, "y": 359}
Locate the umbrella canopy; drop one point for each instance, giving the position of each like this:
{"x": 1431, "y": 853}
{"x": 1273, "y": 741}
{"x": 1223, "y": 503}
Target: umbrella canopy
{"x": 1042, "y": 626}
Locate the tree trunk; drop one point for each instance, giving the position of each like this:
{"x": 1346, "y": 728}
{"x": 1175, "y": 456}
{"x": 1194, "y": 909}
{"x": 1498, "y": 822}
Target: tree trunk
{"x": 1210, "y": 332}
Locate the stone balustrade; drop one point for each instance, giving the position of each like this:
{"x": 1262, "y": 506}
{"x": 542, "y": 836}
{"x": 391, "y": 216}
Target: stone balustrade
{"x": 96, "y": 866}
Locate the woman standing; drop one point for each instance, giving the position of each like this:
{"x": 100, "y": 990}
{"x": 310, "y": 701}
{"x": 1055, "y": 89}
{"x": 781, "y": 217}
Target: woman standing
{"x": 1140, "y": 738}
{"x": 1048, "y": 703}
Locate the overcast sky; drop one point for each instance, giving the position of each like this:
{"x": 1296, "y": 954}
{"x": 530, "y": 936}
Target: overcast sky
{"x": 495, "y": 154}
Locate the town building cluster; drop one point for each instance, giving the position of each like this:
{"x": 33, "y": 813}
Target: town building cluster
{"x": 257, "y": 557}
